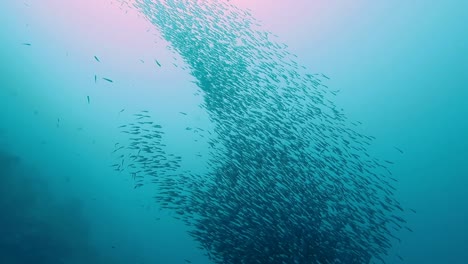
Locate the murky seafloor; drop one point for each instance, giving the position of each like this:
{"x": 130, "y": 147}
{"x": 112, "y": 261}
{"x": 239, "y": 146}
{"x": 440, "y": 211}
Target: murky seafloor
{"x": 216, "y": 131}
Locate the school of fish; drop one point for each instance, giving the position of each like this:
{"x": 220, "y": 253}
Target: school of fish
{"x": 289, "y": 180}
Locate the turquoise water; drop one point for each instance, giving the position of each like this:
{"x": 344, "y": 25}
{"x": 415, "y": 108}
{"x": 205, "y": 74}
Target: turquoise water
{"x": 154, "y": 133}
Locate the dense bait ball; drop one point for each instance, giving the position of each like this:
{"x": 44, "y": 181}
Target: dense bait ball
{"x": 290, "y": 180}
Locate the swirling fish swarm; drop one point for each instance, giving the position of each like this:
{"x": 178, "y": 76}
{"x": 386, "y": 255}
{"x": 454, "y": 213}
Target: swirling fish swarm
{"x": 290, "y": 181}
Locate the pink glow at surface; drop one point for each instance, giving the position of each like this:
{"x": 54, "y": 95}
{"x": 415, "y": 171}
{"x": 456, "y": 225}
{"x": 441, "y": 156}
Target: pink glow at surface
{"x": 91, "y": 20}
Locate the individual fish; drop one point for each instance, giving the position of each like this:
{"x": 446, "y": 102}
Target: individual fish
{"x": 97, "y": 59}
{"x": 401, "y": 151}
{"x": 107, "y": 79}
{"x": 117, "y": 149}
{"x": 325, "y": 76}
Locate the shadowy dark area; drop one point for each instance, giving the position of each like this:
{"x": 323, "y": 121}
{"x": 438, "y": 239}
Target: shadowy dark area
{"x": 35, "y": 227}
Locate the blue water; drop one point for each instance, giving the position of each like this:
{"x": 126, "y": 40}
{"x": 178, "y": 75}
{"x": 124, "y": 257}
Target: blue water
{"x": 66, "y": 196}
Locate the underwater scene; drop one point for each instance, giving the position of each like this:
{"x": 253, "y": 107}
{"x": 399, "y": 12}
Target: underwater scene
{"x": 233, "y": 131}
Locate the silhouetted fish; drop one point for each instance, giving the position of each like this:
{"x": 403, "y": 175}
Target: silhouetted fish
{"x": 401, "y": 151}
